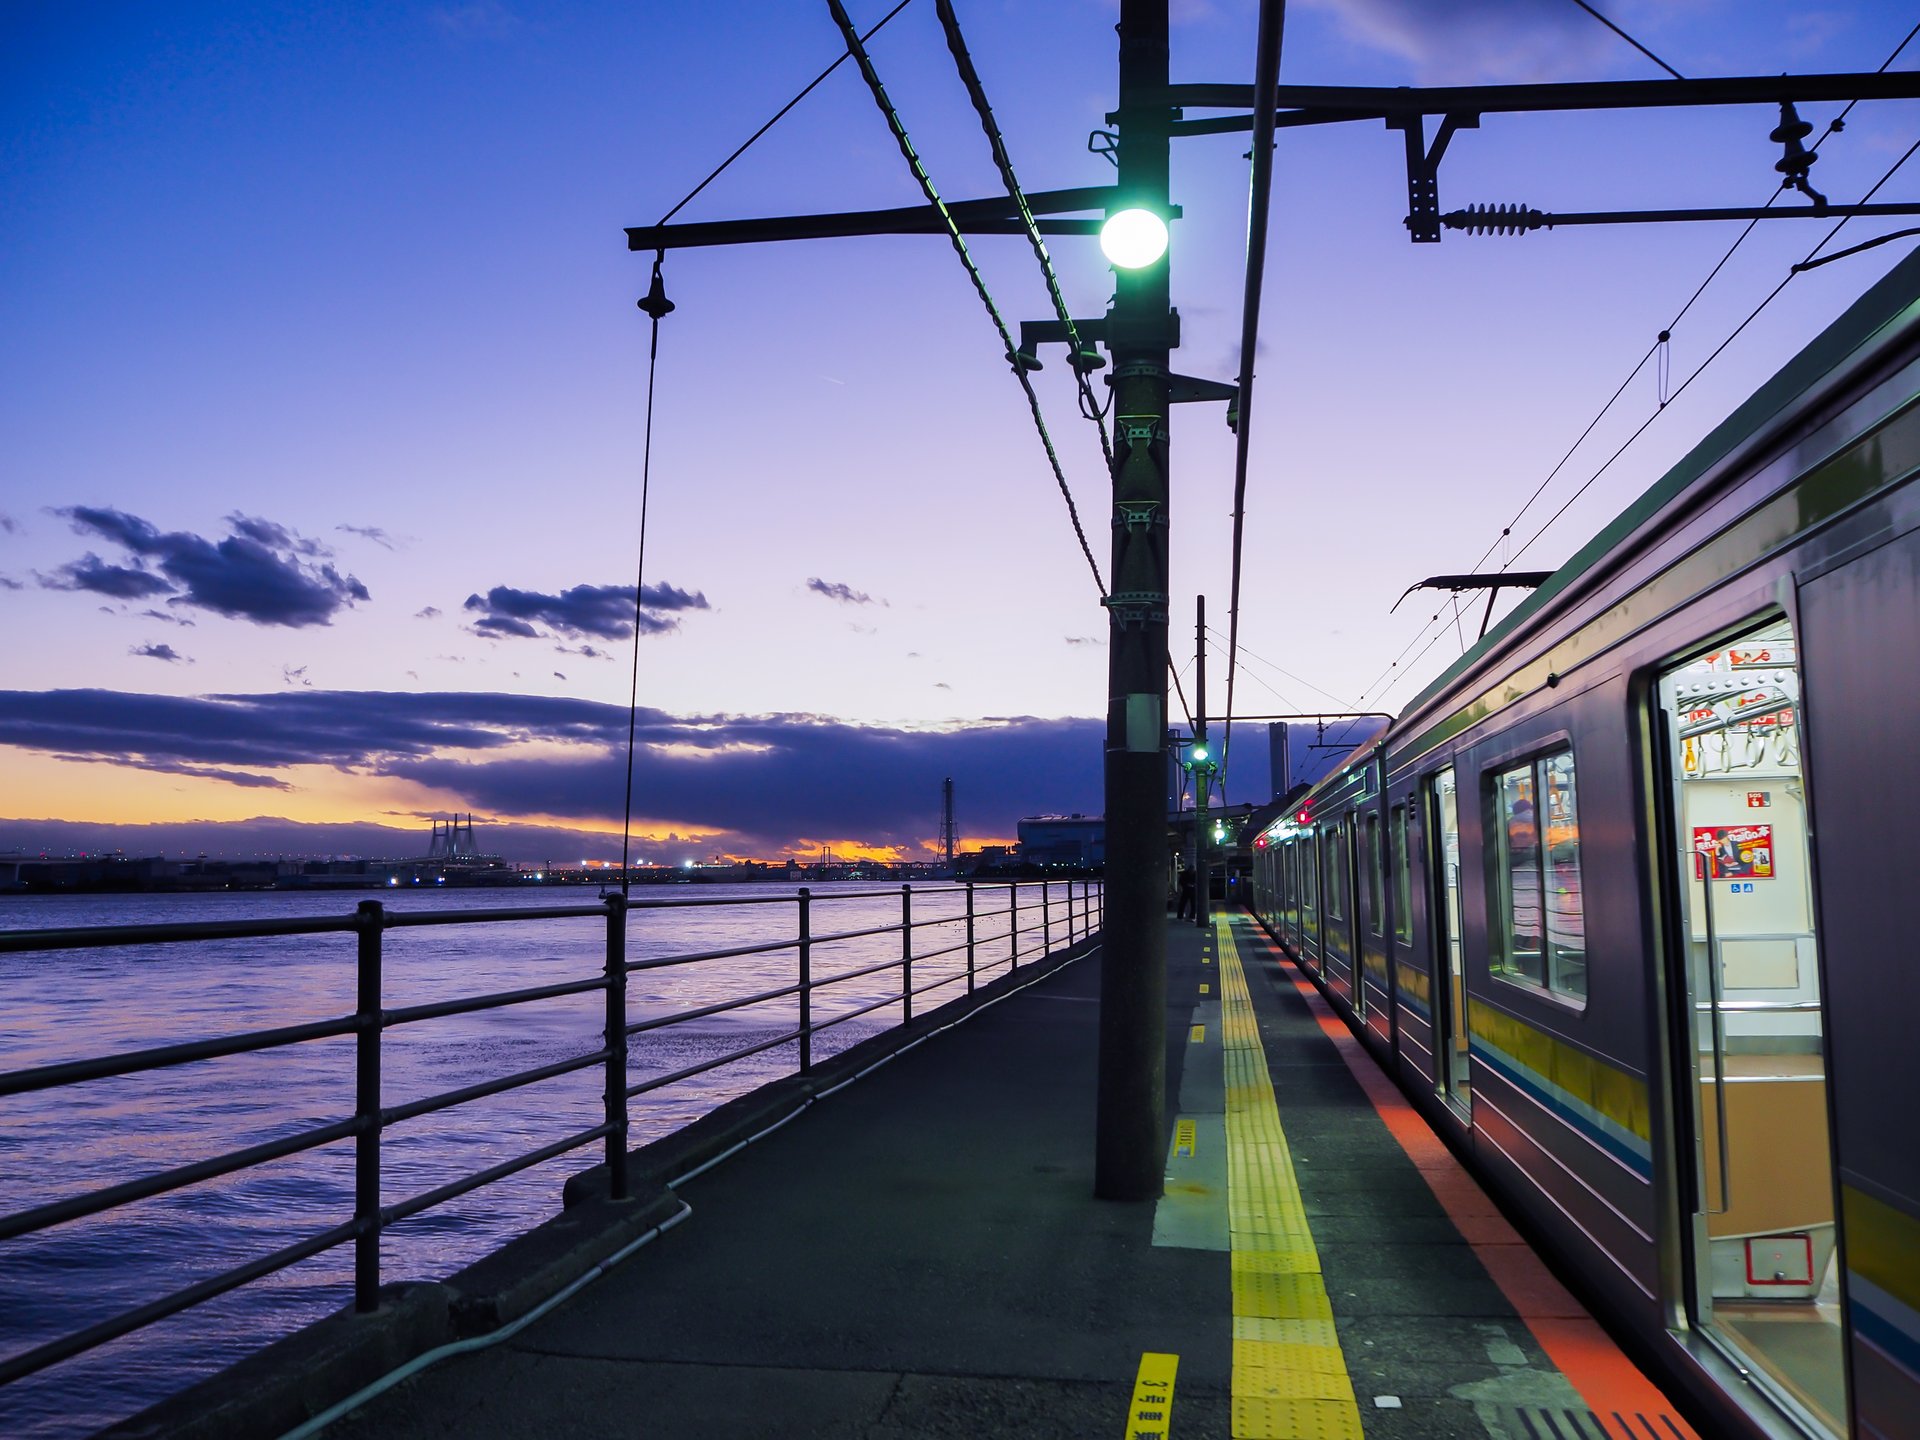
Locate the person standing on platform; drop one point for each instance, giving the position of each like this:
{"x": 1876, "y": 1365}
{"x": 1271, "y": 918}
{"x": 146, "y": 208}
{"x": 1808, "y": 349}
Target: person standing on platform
{"x": 1188, "y": 891}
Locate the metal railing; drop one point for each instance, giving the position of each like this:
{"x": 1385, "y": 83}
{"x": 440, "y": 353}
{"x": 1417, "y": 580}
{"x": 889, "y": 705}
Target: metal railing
{"x": 1081, "y": 901}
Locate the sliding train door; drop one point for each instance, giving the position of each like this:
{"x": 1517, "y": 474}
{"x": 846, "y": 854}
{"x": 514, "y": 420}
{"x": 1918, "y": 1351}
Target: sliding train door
{"x": 1762, "y": 1225}
{"x": 1451, "y": 1035}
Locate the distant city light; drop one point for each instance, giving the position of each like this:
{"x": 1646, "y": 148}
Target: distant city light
{"x": 686, "y": 864}
{"x": 1133, "y": 239}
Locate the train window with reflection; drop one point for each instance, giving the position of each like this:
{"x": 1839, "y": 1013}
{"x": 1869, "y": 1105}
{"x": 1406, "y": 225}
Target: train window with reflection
{"x": 1402, "y": 882}
{"x": 1542, "y": 932}
{"x": 1334, "y": 837}
{"x": 1309, "y": 874}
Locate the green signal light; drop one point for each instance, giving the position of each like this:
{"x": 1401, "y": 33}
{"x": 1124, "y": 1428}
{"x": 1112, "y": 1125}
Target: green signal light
{"x": 1133, "y": 239}
{"x": 1199, "y": 754}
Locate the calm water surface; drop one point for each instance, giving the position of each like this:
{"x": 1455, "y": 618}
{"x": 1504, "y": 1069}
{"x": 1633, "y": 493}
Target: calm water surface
{"x": 66, "y": 1005}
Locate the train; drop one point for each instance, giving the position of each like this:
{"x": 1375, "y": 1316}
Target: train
{"x": 1621, "y": 901}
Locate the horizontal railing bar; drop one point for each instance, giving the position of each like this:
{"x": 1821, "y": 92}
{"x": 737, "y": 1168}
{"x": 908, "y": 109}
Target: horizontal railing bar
{"x": 661, "y": 962}
{"x": 719, "y": 1007}
{"x": 413, "y": 1109}
{"x": 434, "y": 1010}
{"x": 72, "y": 1072}
{"x": 820, "y": 982}
{"x": 703, "y": 904}
{"x": 100, "y": 937}
{"x": 893, "y": 929}
{"x": 393, "y": 1214}
{"x": 25, "y": 1222}
{"x": 687, "y": 1073}
{"x": 53, "y": 1352}
{"x": 413, "y": 919}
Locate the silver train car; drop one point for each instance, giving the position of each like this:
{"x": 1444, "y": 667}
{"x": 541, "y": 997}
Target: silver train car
{"x": 1621, "y": 901}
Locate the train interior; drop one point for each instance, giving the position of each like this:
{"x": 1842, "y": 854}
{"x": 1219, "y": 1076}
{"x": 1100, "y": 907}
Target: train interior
{"x": 1763, "y": 1221}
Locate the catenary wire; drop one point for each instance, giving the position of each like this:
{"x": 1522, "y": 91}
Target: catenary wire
{"x": 970, "y": 77}
{"x": 1629, "y": 39}
{"x": 1281, "y": 669}
{"x": 1266, "y": 82}
{"x": 1833, "y": 126}
{"x": 1754, "y": 315}
{"x": 1718, "y": 350}
{"x": 859, "y": 52}
{"x": 778, "y": 116}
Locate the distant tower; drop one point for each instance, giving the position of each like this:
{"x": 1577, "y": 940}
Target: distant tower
{"x": 949, "y": 841}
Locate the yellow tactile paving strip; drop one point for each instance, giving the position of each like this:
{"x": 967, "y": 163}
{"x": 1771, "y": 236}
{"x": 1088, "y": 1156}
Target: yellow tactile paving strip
{"x": 1289, "y": 1378}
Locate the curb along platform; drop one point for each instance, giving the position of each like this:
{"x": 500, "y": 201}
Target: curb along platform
{"x": 920, "y": 1255}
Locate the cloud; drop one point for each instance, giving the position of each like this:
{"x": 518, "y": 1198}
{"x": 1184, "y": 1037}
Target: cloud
{"x": 1085, "y": 640}
{"x": 370, "y": 532}
{"x": 159, "y": 652}
{"x": 768, "y": 781}
{"x": 245, "y": 778}
{"x": 558, "y": 676}
{"x": 587, "y": 650}
{"x": 8, "y": 525}
{"x": 295, "y": 675}
{"x": 845, "y": 594}
{"x": 7, "y": 582}
{"x": 262, "y": 571}
{"x": 1445, "y": 42}
{"x": 168, "y": 619}
{"x": 93, "y": 574}
{"x": 605, "y": 612}
{"x": 427, "y": 612}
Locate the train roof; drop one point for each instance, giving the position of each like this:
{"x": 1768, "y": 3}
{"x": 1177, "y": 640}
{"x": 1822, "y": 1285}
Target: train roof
{"x": 1891, "y": 303}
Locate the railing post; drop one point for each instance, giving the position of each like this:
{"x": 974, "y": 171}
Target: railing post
{"x": 616, "y": 1096}
{"x": 1046, "y": 917}
{"x": 1073, "y": 926}
{"x": 370, "y": 921}
{"x": 906, "y": 954}
{"x": 1013, "y": 926}
{"x": 969, "y": 937}
{"x": 806, "y": 979}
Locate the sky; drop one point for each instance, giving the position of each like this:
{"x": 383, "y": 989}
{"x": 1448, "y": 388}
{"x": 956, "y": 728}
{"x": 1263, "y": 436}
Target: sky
{"x": 322, "y": 397}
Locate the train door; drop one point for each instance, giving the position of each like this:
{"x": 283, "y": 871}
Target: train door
{"x": 1449, "y": 971}
{"x": 1763, "y": 1229}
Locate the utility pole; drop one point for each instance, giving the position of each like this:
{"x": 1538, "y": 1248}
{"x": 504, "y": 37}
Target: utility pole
{"x": 1129, "y": 1149}
{"x": 1202, "y": 771}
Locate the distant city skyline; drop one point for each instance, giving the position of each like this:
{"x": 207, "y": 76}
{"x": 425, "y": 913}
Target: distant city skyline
{"x": 323, "y": 387}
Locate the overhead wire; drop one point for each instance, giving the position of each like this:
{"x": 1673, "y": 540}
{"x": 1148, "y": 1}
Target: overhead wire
{"x": 657, "y": 307}
{"x": 1297, "y": 679}
{"x": 1791, "y": 275}
{"x": 1629, "y": 39}
{"x": 779, "y": 115}
{"x": 996, "y": 141}
{"x": 1266, "y": 84}
{"x": 1753, "y": 315}
{"x": 879, "y": 91}
{"x": 1832, "y": 127}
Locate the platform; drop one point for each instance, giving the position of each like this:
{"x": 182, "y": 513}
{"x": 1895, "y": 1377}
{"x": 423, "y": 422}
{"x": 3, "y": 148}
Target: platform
{"x": 920, "y": 1255}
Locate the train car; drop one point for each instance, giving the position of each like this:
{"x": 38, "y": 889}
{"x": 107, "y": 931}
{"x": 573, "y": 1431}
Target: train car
{"x": 1619, "y": 900}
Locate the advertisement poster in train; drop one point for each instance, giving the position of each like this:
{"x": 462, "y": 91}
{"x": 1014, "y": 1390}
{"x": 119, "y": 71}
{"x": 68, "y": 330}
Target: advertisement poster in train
{"x": 1736, "y": 852}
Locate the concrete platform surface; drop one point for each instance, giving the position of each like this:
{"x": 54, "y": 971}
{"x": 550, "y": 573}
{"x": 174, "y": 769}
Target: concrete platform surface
{"x": 920, "y": 1255}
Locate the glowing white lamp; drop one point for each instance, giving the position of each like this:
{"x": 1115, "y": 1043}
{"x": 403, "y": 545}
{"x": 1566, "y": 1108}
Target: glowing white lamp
{"x": 1133, "y": 239}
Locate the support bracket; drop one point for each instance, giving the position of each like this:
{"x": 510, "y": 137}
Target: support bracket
{"x": 1423, "y": 168}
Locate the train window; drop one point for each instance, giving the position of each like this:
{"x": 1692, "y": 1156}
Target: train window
{"x": 1333, "y": 837}
{"x": 1376, "y": 887}
{"x": 1542, "y": 938}
{"x": 1310, "y": 873}
{"x": 1402, "y": 880}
